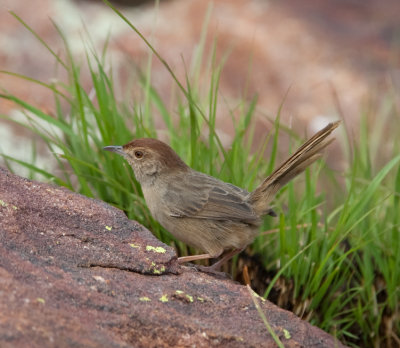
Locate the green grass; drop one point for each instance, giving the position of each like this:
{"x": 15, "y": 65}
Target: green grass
{"x": 337, "y": 267}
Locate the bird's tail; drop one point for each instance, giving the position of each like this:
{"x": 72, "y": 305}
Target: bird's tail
{"x": 309, "y": 152}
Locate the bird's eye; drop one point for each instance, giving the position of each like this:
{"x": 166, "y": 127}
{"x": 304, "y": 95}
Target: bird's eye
{"x": 138, "y": 154}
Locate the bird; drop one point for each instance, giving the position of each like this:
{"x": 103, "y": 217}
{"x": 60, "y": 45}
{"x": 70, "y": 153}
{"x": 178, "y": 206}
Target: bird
{"x": 202, "y": 211}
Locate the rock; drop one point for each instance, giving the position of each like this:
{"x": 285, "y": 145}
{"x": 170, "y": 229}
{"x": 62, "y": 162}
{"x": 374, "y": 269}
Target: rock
{"x": 75, "y": 272}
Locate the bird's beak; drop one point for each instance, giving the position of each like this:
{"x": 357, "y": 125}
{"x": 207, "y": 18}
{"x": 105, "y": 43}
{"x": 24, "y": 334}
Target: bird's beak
{"x": 117, "y": 149}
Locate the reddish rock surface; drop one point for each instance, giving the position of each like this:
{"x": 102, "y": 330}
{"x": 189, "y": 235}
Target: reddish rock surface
{"x": 75, "y": 272}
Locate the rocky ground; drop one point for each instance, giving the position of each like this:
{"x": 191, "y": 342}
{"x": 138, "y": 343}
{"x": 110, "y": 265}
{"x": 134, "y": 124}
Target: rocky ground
{"x": 75, "y": 272}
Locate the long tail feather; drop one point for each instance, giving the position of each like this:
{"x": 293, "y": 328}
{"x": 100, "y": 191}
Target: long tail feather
{"x": 308, "y": 153}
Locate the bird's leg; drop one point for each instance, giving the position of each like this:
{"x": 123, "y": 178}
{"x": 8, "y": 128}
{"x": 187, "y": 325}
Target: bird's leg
{"x": 215, "y": 267}
{"x": 225, "y": 258}
{"x": 184, "y": 259}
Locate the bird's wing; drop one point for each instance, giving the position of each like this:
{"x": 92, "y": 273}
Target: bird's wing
{"x": 204, "y": 197}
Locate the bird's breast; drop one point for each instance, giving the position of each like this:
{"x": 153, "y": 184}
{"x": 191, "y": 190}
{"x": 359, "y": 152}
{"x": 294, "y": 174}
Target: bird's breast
{"x": 153, "y": 197}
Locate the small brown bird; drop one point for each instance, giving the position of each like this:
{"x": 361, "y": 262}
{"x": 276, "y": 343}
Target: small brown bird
{"x": 202, "y": 211}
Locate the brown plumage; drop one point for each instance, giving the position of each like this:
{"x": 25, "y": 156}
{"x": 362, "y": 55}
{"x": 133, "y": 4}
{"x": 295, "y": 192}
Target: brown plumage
{"x": 308, "y": 153}
{"x": 203, "y": 211}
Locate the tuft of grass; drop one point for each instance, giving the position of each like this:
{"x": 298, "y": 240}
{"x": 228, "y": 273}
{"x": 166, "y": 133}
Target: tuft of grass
{"x": 338, "y": 269}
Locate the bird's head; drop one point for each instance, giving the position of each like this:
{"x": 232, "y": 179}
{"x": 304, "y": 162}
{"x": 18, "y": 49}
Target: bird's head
{"x": 149, "y": 158}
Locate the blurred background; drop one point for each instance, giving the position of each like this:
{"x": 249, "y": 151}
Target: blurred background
{"x": 321, "y": 59}
{"x": 310, "y": 62}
